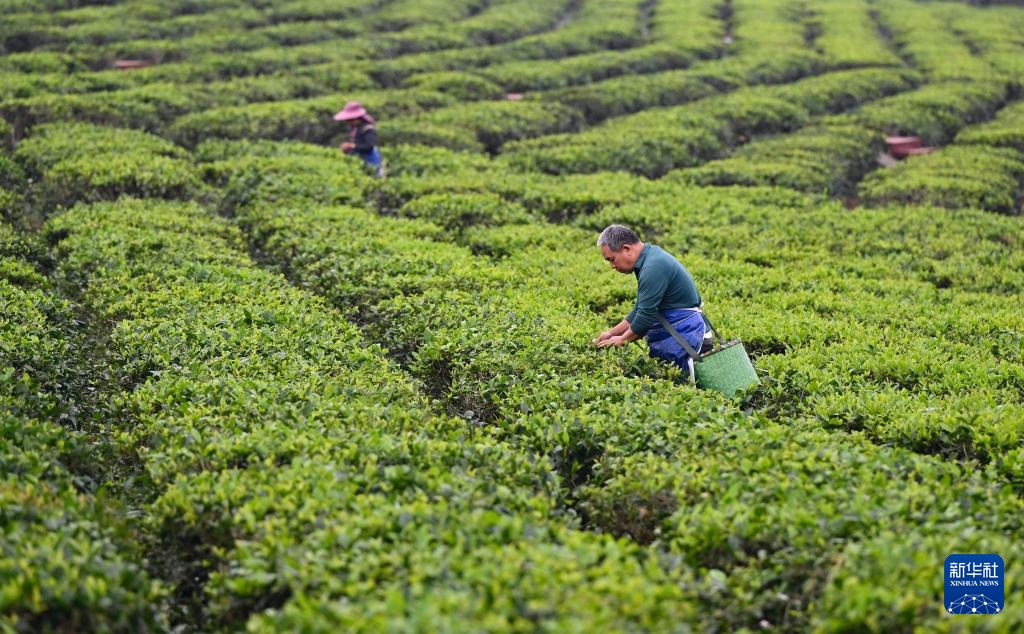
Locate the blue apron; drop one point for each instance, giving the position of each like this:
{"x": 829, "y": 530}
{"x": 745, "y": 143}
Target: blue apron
{"x": 372, "y": 157}
{"x": 688, "y": 322}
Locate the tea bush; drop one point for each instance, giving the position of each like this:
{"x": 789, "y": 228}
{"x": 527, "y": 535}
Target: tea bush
{"x": 758, "y": 26}
{"x": 503, "y": 22}
{"x": 41, "y": 62}
{"x": 308, "y": 120}
{"x": 494, "y": 123}
{"x": 849, "y": 36}
{"x": 563, "y": 404}
{"x": 462, "y": 211}
{"x": 935, "y": 112}
{"x": 695, "y": 133}
{"x": 931, "y": 42}
{"x": 82, "y": 162}
{"x": 322, "y": 176}
{"x": 404, "y": 13}
{"x": 66, "y": 555}
{"x": 1006, "y": 130}
{"x": 688, "y": 23}
{"x": 317, "y": 440}
{"x": 307, "y": 32}
{"x": 915, "y": 349}
{"x": 823, "y": 159}
{"x": 522, "y": 76}
{"x": 783, "y": 531}
{"x": 957, "y": 176}
{"x": 620, "y": 96}
{"x": 149, "y": 107}
{"x": 460, "y": 85}
{"x": 326, "y": 401}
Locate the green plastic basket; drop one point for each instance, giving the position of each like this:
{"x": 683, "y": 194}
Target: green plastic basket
{"x": 726, "y": 369}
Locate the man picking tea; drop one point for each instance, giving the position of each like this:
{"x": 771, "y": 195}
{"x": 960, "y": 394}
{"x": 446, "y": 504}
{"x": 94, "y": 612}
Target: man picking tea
{"x": 663, "y": 286}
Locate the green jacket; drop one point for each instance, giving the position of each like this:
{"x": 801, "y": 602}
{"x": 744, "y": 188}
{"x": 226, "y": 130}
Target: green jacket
{"x": 662, "y": 284}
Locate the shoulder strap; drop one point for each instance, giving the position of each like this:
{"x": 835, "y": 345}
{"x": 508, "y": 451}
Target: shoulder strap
{"x": 721, "y": 342}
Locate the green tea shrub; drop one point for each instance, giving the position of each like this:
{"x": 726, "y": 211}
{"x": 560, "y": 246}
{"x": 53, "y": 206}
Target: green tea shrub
{"x": 494, "y": 123}
{"x": 849, "y": 37}
{"x": 819, "y": 159}
{"x": 11, "y": 174}
{"x": 456, "y": 212}
{"x": 62, "y": 553}
{"x": 362, "y": 404}
{"x": 440, "y": 136}
{"x": 522, "y": 76}
{"x": 214, "y": 150}
{"x": 858, "y": 596}
{"x": 108, "y": 31}
{"x": 322, "y": 427}
{"x": 404, "y": 14}
{"x": 21, "y": 85}
{"x": 419, "y": 39}
{"x": 685, "y": 503}
{"x": 304, "y": 120}
{"x": 82, "y": 162}
{"x": 82, "y": 179}
{"x": 556, "y": 198}
{"x": 817, "y": 352}
{"x": 214, "y": 15}
{"x": 303, "y": 10}
{"x": 518, "y": 364}
{"x": 930, "y": 41}
{"x": 647, "y": 151}
{"x": 621, "y": 96}
{"x": 41, "y": 62}
{"x": 12, "y": 204}
{"x": 150, "y": 107}
{"x": 957, "y": 176}
{"x": 335, "y": 77}
{"x": 597, "y": 27}
{"x": 690, "y": 23}
{"x": 717, "y": 122}
{"x": 263, "y": 61}
{"x": 560, "y": 199}
{"x": 838, "y": 91}
{"x": 1006, "y": 130}
{"x": 307, "y": 32}
{"x": 410, "y": 160}
{"x": 67, "y": 555}
{"x": 507, "y": 240}
{"x": 311, "y": 82}
{"x": 600, "y": 25}
{"x": 406, "y": 264}
{"x": 461, "y": 85}
{"x": 758, "y": 27}
{"x": 935, "y": 112}
{"x": 503, "y": 22}
{"x": 54, "y": 142}
{"x": 24, "y": 37}
{"x": 321, "y": 176}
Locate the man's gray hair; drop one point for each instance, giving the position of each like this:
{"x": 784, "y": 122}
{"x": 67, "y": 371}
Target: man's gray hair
{"x": 616, "y": 236}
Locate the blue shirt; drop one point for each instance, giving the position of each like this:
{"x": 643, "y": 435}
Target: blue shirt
{"x": 662, "y": 284}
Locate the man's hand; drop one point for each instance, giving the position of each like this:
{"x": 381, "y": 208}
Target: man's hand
{"x": 616, "y": 340}
{"x": 346, "y": 146}
{"x": 617, "y": 335}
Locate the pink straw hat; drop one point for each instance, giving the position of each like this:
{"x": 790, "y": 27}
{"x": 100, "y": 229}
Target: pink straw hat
{"x": 352, "y": 110}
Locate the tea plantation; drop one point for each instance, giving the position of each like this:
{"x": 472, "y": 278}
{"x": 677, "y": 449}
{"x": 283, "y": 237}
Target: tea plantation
{"x": 247, "y": 386}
